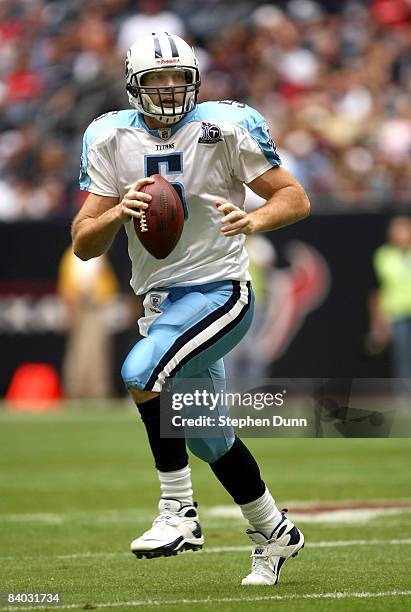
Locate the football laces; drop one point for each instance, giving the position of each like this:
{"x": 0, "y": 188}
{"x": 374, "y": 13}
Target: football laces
{"x": 143, "y": 222}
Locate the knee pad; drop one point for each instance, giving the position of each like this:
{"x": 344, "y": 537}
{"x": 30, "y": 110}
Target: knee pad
{"x": 138, "y": 364}
{"x": 210, "y": 449}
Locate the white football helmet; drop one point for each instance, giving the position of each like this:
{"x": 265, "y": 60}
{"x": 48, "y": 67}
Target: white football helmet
{"x": 154, "y": 53}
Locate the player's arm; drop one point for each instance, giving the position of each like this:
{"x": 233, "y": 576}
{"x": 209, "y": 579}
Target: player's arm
{"x": 100, "y": 218}
{"x": 286, "y": 203}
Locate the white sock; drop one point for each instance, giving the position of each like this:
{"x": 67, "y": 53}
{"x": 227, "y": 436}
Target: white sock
{"x": 262, "y": 513}
{"x": 177, "y": 485}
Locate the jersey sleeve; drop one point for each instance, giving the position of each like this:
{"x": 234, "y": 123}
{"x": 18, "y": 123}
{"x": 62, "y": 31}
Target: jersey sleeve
{"x": 97, "y": 173}
{"x": 255, "y": 151}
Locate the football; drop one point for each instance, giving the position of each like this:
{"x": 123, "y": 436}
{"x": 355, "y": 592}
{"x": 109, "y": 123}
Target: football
{"x": 161, "y": 224}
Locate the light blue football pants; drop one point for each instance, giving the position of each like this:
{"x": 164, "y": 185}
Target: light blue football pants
{"x": 188, "y": 330}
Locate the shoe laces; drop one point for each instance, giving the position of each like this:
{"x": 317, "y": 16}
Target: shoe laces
{"x": 260, "y": 560}
{"x": 261, "y": 554}
{"x": 166, "y": 518}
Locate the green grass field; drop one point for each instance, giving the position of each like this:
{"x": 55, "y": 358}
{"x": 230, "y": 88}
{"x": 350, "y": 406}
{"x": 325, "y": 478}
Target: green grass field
{"x": 77, "y": 486}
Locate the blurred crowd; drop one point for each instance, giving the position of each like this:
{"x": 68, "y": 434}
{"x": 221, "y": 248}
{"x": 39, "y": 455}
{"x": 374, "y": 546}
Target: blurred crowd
{"x": 332, "y": 78}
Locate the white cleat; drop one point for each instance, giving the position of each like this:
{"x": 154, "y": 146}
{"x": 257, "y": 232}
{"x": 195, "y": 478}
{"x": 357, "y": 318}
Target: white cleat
{"x": 270, "y": 554}
{"x": 175, "y": 529}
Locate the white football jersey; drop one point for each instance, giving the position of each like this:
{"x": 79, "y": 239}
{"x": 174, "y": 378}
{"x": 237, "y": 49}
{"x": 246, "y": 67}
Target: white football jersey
{"x": 207, "y": 156}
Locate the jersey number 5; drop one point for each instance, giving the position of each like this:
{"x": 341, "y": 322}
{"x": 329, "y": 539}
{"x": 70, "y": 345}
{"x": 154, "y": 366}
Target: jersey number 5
{"x": 173, "y": 163}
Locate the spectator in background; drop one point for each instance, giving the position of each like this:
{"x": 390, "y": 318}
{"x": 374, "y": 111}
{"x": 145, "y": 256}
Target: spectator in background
{"x": 150, "y": 16}
{"x": 331, "y": 76}
{"x": 391, "y": 305}
{"x": 35, "y": 175}
{"x": 87, "y": 288}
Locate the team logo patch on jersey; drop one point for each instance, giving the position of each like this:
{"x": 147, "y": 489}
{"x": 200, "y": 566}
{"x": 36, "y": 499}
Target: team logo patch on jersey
{"x": 266, "y": 129}
{"x": 82, "y": 166}
{"x": 211, "y": 133}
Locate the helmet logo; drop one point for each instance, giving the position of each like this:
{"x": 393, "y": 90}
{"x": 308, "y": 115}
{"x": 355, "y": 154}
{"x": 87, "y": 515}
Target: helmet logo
{"x": 167, "y": 61}
{"x": 129, "y": 69}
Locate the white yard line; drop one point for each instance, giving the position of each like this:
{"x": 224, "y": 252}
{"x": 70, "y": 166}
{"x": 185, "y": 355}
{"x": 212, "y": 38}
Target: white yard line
{"x": 210, "y": 514}
{"x": 217, "y": 600}
{"x": 335, "y": 515}
{"x": 215, "y": 549}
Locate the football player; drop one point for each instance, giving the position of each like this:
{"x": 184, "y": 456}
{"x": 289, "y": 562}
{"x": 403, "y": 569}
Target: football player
{"x": 198, "y": 301}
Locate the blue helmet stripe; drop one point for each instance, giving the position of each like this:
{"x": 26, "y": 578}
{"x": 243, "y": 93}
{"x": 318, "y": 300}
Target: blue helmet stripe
{"x": 157, "y": 48}
{"x": 174, "y": 50}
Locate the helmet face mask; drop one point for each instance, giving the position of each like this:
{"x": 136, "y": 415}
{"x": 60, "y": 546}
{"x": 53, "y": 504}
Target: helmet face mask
{"x": 162, "y": 53}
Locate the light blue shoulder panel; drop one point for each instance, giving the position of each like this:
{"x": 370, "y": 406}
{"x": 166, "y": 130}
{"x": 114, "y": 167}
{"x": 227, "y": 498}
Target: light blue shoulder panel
{"x": 245, "y": 116}
{"x": 100, "y": 125}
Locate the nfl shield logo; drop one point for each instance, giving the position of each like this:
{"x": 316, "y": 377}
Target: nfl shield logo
{"x": 155, "y": 300}
{"x": 164, "y": 133}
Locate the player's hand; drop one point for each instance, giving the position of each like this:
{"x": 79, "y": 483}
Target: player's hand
{"x": 235, "y": 220}
{"x": 134, "y": 201}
